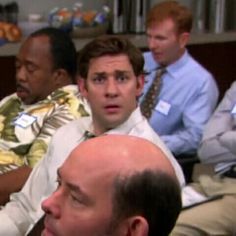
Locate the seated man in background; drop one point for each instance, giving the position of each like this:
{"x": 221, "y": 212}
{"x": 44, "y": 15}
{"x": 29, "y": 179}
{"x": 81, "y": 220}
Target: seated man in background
{"x": 187, "y": 93}
{"x": 217, "y": 148}
{"x": 111, "y": 79}
{"x": 44, "y": 100}
{"x": 127, "y": 187}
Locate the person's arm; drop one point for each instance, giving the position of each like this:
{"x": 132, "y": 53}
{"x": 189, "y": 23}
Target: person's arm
{"x": 228, "y": 140}
{"x": 23, "y": 209}
{"x": 219, "y": 139}
{"x": 12, "y": 181}
{"x": 15, "y": 179}
{"x": 195, "y": 116}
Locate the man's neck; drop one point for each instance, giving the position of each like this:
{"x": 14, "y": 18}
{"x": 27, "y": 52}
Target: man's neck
{"x": 100, "y": 130}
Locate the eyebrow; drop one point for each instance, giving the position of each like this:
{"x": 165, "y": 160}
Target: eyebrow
{"x": 116, "y": 72}
{"x": 75, "y": 188}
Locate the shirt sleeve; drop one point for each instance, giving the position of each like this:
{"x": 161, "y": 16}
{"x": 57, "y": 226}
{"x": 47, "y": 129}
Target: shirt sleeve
{"x": 24, "y": 207}
{"x": 219, "y": 138}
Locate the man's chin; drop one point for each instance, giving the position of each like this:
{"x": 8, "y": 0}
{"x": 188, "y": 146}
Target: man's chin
{"x": 26, "y": 101}
{"x": 112, "y": 124}
{"x": 23, "y": 96}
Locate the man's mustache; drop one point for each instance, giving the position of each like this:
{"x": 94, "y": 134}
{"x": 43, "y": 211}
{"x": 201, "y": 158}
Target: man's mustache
{"x": 21, "y": 87}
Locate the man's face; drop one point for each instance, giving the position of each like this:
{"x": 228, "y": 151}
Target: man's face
{"x": 82, "y": 203}
{"x": 35, "y": 76}
{"x": 111, "y": 88}
{"x": 165, "y": 43}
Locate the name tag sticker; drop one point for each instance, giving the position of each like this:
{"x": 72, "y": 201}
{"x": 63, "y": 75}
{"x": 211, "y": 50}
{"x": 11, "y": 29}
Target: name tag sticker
{"x": 163, "y": 107}
{"x": 233, "y": 111}
{"x": 25, "y": 120}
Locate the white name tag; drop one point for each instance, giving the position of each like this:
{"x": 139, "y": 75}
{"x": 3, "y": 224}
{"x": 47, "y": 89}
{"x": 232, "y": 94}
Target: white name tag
{"x": 25, "y": 120}
{"x": 233, "y": 111}
{"x": 163, "y": 107}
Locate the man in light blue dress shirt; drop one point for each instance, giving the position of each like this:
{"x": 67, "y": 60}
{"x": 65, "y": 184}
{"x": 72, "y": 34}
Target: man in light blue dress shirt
{"x": 188, "y": 93}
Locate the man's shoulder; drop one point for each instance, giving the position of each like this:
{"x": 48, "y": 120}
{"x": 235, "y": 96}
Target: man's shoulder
{"x": 70, "y": 88}
{"x": 232, "y": 88}
{"x": 144, "y": 130}
{"x": 12, "y": 97}
{"x": 10, "y": 103}
{"x": 68, "y": 91}
{"x": 69, "y": 96}
{"x": 195, "y": 66}
{"x": 73, "y": 128}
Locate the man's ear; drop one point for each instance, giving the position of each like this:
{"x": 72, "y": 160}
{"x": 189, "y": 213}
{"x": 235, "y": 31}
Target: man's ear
{"x": 82, "y": 86}
{"x": 183, "y": 39}
{"x": 61, "y": 77}
{"x": 140, "y": 84}
{"x": 136, "y": 226}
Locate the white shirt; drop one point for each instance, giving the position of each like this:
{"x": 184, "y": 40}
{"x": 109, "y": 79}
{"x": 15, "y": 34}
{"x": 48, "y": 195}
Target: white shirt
{"x": 24, "y": 209}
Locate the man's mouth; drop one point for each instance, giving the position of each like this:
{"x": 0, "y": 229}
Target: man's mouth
{"x": 48, "y": 231}
{"x": 112, "y": 108}
{"x": 21, "y": 91}
{"x": 157, "y": 54}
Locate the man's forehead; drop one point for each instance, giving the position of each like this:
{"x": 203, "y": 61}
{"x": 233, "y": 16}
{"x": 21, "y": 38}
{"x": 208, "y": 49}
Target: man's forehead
{"x": 86, "y": 172}
{"x": 111, "y": 59}
{"x": 35, "y": 47}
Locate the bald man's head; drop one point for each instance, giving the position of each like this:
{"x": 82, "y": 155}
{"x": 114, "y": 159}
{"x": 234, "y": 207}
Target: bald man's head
{"x": 123, "y": 153}
{"x": 127, "y": 178}
{"x": 114, "y": 185}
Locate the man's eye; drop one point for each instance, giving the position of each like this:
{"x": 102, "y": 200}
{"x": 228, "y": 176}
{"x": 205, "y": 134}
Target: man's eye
{"x": 160, "y": 38}
{"x": 122, "y": 78}
{"x": 31, "y": 68}
{"x": 98, "y": 79}
{"x": 75, "y": 199}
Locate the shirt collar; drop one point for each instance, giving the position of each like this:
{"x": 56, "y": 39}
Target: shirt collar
{"x": 176, "y": 67}
{"x": 173, "y": 68}
{"x": 124, "y": 128}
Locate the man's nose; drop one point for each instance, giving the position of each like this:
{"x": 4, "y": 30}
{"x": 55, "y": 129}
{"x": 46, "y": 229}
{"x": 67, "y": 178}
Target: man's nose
{"x": 51, "y": 205}
{"x": 111, "y": 88}
{"x": 21, "y": 73}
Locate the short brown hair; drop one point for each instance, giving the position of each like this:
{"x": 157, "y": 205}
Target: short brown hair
{"x": 109, "y": 45}
{"x": 180, "y": 14}
{"x": 150, "y": 193}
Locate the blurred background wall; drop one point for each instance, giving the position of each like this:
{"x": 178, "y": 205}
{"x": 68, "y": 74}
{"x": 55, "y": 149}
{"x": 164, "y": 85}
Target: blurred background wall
{"x": 214, "y": 15}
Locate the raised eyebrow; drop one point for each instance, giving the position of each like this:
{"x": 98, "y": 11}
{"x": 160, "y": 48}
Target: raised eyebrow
{"x": 121, "y": 71}
{"x": 100, "y": 73}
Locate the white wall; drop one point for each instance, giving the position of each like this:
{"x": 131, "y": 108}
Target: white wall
{"x": 44, "y": 6}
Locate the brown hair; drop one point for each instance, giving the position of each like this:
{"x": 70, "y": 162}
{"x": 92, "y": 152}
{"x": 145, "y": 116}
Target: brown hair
{"x": 109, "y": 45}
{"x": 152, "y": 194}
{"x": 180, "y": 14}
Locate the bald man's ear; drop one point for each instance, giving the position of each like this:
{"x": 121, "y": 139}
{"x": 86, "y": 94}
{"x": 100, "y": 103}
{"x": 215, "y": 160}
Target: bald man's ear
{"x": 136, "y": 226}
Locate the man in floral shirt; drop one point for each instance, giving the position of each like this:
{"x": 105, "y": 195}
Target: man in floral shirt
{"x": 45, "y": 99}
